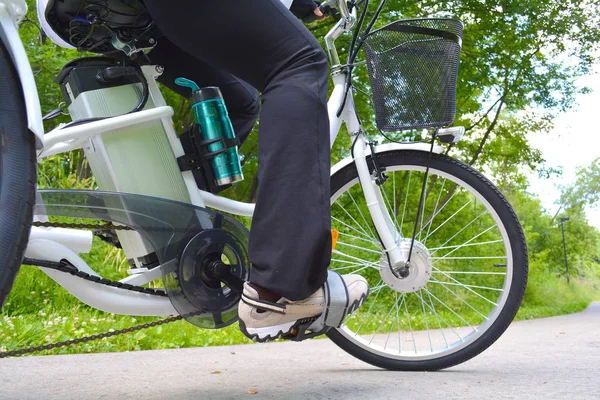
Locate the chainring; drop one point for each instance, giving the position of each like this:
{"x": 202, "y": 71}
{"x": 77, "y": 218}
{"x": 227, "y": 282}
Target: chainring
{"x": 201, "y": 298}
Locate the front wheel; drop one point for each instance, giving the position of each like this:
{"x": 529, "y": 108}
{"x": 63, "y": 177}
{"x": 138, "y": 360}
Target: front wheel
{"x": 468, "y": 267}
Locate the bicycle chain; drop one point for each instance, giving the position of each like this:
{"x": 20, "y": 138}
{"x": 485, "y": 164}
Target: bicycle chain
{"x": 90, "y": 338}
{"x": 105, "y": 226}
{"x": 66, "y": 267}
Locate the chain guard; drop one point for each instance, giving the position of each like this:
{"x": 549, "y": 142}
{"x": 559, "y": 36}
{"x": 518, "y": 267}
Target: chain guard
{"x": 186, "y": 240}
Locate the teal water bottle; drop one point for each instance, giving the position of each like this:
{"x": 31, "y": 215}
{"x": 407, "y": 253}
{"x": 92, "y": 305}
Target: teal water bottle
{"x": 216, "y": 132}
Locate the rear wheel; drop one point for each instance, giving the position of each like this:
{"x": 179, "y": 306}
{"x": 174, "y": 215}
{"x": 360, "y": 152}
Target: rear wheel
{"x": 468, "y": 269}
{"x": 17, "y": 175}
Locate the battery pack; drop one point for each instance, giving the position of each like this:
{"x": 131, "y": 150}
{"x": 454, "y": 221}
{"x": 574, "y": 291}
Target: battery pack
{"x": 136, "y": 159}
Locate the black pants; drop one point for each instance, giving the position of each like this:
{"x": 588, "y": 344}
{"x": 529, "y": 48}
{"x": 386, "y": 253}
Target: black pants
{"x": 262, "y": 43}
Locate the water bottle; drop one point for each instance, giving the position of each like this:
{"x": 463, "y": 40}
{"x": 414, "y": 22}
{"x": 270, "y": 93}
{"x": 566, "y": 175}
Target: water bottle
{"x": 216, "y": 132}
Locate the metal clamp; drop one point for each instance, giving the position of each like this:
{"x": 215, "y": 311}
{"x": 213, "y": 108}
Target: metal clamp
{"x": 336, "y": 296}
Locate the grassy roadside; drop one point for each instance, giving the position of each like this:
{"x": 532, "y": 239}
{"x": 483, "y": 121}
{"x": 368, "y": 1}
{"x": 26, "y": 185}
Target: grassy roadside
{"x": 40, "y": 312}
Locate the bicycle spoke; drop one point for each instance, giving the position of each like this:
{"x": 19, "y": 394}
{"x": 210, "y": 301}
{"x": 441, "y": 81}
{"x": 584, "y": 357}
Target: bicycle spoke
{"x": 426, "y": 322}
{"x": 354, "y": 271}
{"x": 461, "y": 299}
{"x": 469, "y": 272}
{"x": 394, "y": 193}
{"x": 437, "y": 318}
{"x": 439, "y": 211}
{"x": 468, "y": 258}
{"x": 465, "y": 285}
{"x": 449, "y": 218}
{"x": 469, "y": 289}
{"x": 398, "y": 322}
{"x": 460, "y": 231}
{"x": 348, "y": 226}
{"x": 469, "y": 241}
{"x": 358, "y": 238}
{"x": 377, "y": 288}
{"x": 387, "y": 204}
{"x": 374, "y": 265}
{"x": 361, "y": 214}
{"x": 352, "y": 218}
{"x": 391, "y": 325}
{"x": 453, "y": 312}
{"x": 425, "y": 188}
{"x": 410, "y": 326}
{"x": 449, "y": 325}
{"x": 406, "y": 200}
{"x": 369, "y": 310}
{"x": 466, "y": 245}
{"x": 434, "y": 213}
{"x": 380, "y": 325}
{"x": 358, "y": 247}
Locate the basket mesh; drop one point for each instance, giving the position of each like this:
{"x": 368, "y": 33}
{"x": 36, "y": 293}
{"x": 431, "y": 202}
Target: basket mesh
{"x": 413, "y": 65}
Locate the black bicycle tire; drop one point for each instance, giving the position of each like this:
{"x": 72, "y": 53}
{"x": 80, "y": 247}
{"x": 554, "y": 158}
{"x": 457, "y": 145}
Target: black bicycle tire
{"x": 517, "y": 242}
{"x": 17, "y": 175}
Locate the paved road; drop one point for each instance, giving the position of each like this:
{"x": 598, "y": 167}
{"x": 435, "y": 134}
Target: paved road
{"x": 552, "y": 358}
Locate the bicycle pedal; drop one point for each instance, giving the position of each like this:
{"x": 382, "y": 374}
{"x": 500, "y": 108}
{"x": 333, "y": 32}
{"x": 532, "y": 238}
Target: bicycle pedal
{"x": 303, "y": 331}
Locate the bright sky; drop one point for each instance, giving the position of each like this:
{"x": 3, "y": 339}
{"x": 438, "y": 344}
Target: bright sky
{"x": 575, "y": 142}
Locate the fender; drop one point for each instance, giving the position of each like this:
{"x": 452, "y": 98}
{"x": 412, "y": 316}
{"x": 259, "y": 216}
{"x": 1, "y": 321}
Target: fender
{"x": 11, "y": 12}
{"x": 425, "y": 147}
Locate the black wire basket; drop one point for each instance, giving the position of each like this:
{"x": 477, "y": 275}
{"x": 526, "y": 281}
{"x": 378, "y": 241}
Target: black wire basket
{"x": 413, "y": 66}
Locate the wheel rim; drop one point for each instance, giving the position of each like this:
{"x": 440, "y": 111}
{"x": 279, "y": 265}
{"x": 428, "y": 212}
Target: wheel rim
{"x": 465, "y": 238}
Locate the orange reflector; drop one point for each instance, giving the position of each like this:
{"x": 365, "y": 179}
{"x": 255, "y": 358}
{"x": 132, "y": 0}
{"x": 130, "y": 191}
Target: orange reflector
{"x": 334, "y": 238}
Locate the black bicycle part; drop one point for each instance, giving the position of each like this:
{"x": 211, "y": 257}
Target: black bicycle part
{"x": 17, "y": 174}
{"x": 94, "y": 73}
{"x": 197, "y": 157}
{"x": 209, "y": 278}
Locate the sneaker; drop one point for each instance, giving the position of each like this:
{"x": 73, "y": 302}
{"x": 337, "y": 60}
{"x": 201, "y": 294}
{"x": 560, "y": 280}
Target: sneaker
{"x": 263, "y": 321}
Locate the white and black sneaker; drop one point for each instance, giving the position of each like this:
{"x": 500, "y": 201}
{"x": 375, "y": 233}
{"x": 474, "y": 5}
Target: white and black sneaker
{"x": 263, "y": 321}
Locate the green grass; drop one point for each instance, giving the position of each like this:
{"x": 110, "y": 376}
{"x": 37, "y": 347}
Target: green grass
{"x": 548, "y": 295}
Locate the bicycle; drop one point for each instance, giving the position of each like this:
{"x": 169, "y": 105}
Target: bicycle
{"x": 447, "y": 277}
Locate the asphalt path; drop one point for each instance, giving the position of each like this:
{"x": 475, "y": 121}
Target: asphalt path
{"x": 550, "y": 358}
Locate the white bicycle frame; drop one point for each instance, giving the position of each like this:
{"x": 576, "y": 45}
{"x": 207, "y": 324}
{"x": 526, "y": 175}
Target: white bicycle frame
{"x": 55, "y": 244}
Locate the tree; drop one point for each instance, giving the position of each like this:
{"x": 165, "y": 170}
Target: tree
{"x": 516, "y": 55}
{"x": 584, "y": 192}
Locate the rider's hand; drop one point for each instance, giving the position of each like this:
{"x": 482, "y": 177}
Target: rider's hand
{"x": 319, "y": 14}
{"x": 306, "y": 8}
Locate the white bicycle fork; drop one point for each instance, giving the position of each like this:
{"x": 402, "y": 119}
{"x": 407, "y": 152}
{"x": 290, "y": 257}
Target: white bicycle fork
{"x": 380, "y": 216}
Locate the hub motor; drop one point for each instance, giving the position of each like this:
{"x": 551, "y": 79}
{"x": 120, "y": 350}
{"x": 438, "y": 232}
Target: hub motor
{"x": 419, "y": 271}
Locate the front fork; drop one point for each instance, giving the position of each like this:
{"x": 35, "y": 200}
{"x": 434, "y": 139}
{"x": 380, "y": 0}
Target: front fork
{"x": 387, "y": 230}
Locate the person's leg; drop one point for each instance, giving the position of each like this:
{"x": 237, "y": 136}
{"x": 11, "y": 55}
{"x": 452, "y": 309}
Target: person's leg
{"x": 261, "y": 42}
{"x": 240, "y": 97}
